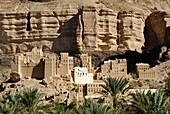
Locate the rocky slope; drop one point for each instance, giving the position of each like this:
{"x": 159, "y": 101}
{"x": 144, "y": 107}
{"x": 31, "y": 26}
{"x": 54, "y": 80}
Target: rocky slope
{"x": 54, "y": 88}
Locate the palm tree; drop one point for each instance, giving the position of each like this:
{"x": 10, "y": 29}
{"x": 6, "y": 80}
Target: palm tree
{"x": 115, "y": 87}
{"x": 32, "y": 100}
{"x": 10, "y": 103}
{"x": 90, "y": 107}
{"x": 149, "y": 103}
{"x": 167, "y": 92}
{"x": 58, "y": 108}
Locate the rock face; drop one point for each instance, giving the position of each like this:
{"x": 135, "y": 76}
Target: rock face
{"x": 107, "y": 30}
{"x": 157, "y": 29}
{"x": 12, "y": 26}
{"x": 89, "y": 16}
{"x": 71, "y": 30}
{"x": 167, "y": 32}
{"x": 131, "y": 29}
{"x": 87, "y": 28}
{"x": 54, "y": 29}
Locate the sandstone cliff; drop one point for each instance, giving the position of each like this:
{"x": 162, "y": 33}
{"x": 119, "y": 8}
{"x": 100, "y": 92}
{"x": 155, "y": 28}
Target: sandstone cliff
{"x": 99, "y": 26}
{"x": 157, "y": 29}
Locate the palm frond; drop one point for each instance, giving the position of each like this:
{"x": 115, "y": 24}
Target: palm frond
{"x": 114, "y": 87}
{"x": 148, "y": 102}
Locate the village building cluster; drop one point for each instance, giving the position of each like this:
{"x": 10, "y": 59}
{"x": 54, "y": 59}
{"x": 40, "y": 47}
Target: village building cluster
{"x": 36, "y": 64}
{"x": 144, "y": 71}
{"x": 113, "y": 68}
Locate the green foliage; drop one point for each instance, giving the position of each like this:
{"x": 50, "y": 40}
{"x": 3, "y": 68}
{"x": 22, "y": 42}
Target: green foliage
{"x": 134, "y": 76}
{"x": 90, "y": 107}
{"x": 10, "y": 103}
{"x": 147, "y": 80}
{"x": 57, "y": 108}
{"x": 29, "y": 101}
{"x": 115, "y": 87}
{"x": 167, "y": 92}
{"x": 150, "y": 103}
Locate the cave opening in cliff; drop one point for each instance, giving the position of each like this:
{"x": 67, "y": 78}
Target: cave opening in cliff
{"x": 28, "y": 22}
{"x": 155, "y": 34}
{"x": 133, "y": 57}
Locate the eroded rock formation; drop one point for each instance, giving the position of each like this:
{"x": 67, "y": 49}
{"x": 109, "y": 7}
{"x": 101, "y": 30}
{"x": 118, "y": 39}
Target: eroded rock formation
{"x": 71, "y": 30}
{"x": 157, "y": 29}
{"x": 131, "y": 29}
{"x": 107, "y": 30}
{"x": 87, "y": 28}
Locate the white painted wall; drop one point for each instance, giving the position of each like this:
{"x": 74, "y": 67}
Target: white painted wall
{"x": 81, "y": 75}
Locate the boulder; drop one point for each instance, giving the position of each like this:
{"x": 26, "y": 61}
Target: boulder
{"x": 14, "y": 76}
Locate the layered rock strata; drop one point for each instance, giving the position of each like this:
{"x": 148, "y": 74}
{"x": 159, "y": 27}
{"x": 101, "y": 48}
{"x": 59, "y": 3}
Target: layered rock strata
{"x": 85, "y": 29}
{"x": 69, "y": 30}
{"x": 13, "y": 26}
{"x": 89, "y": 17}
{"x": 130, "y": 29}
{"x": 107, "y": 30}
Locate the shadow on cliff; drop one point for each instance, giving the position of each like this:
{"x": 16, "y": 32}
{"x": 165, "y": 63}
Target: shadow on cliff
{"x": 66, "y": 42}
{"x": 153, "y": 43}
{"x": 38, "y": 70}
{"x": 167, "y": 36}
{"x": 156, "y": 32}
{"x": 133, "y": 57}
